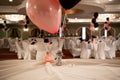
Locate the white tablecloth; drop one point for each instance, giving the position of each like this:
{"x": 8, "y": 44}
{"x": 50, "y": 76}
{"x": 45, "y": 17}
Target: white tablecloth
{"x": 72, "y": 69}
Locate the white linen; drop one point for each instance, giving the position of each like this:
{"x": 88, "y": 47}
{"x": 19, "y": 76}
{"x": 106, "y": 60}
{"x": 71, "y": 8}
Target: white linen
{"x": 66, "y": 44}
{"x": 6, "y": 43}
{"x": 74, "y": 50}
{"x": 101, "y": 51}
{"x": 27, "y": 55}
{"x": 72, "y": 69}
{"x": 54, "y": 47}
{"x": 20, "y": 51}
{"x": 94, "y": 51}
{"x": 33, "y": 50}
{"x": 41, "y": 50}
{"x": 12, "y": 44}
{"x": 112, "y": 50}
{"x": 85, "y": 52}
{"x": 118, "y": 44}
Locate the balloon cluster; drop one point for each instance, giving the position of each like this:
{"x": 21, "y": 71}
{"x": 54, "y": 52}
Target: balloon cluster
{"x": 107, "y": 24}
{"x": 4, "y": 28}
{"x": 27, "y": 19}
{"x": 46, "y": 14}
{"x": 93, "y": 23}
{"x": 68, "y": 4}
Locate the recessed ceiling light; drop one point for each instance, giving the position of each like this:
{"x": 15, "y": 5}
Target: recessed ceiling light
{"x": 15, "y": 17}
{"x": 25, "y": 29}
{"x": 76, "y": 18}
{"x": 10, "y": 0}
{"x": 110, "y": 0}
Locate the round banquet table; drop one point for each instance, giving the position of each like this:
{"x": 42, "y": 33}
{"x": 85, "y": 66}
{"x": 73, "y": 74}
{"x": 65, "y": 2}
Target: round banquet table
{"x": 71, "y": 69}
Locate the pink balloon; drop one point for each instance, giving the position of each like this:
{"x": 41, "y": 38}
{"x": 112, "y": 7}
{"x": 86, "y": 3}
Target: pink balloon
{"x": 45, "y": 14}
{"x": 92, "y": 28}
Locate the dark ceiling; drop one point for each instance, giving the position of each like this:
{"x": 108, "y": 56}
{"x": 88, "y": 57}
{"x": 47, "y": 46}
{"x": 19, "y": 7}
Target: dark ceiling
{"x": 7, "y": 3}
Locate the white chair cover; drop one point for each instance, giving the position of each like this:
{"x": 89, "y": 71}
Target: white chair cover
{"x": 33, "y": 51}
{"x": 74, "y": 50}
{"x": 66, "y": 44}
{"x": 118, "y": 44}
{"x": 41, "y": 51}
{"x": 85, "y": 52}
{"x": 94, "y": 52}
{"x": 27, "y": 55}
{"x": 20, "y": 51}
{"x": 12, "y": 44}
{"x": 54, "y": 47}
{"x": 107, "y": 50}
{"x": 112, "y": 50}
{"x": 6, "y": 43}
{"x": 101, "y": 51}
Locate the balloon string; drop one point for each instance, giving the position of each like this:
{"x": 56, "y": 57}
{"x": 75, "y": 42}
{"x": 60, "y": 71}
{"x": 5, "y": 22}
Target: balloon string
{"x": 61, "y": 29}
{"x": 64, "y": 22}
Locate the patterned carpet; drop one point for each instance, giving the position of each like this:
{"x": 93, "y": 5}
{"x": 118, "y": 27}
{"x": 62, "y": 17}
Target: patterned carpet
{"x": 6, "y": 54}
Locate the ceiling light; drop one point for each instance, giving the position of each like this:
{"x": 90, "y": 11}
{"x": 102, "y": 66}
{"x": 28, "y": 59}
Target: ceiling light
{"x": 76, "y": 20}
{"x": 96, "y": 29}
{"x": 15, "y": 17}
{"x": 10, "y": 0}
{"x": 110, "y": 0}
{"x": 104, "y": 1}
{"x": 103, "y": 17}
{"x": 25, "y": 29}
